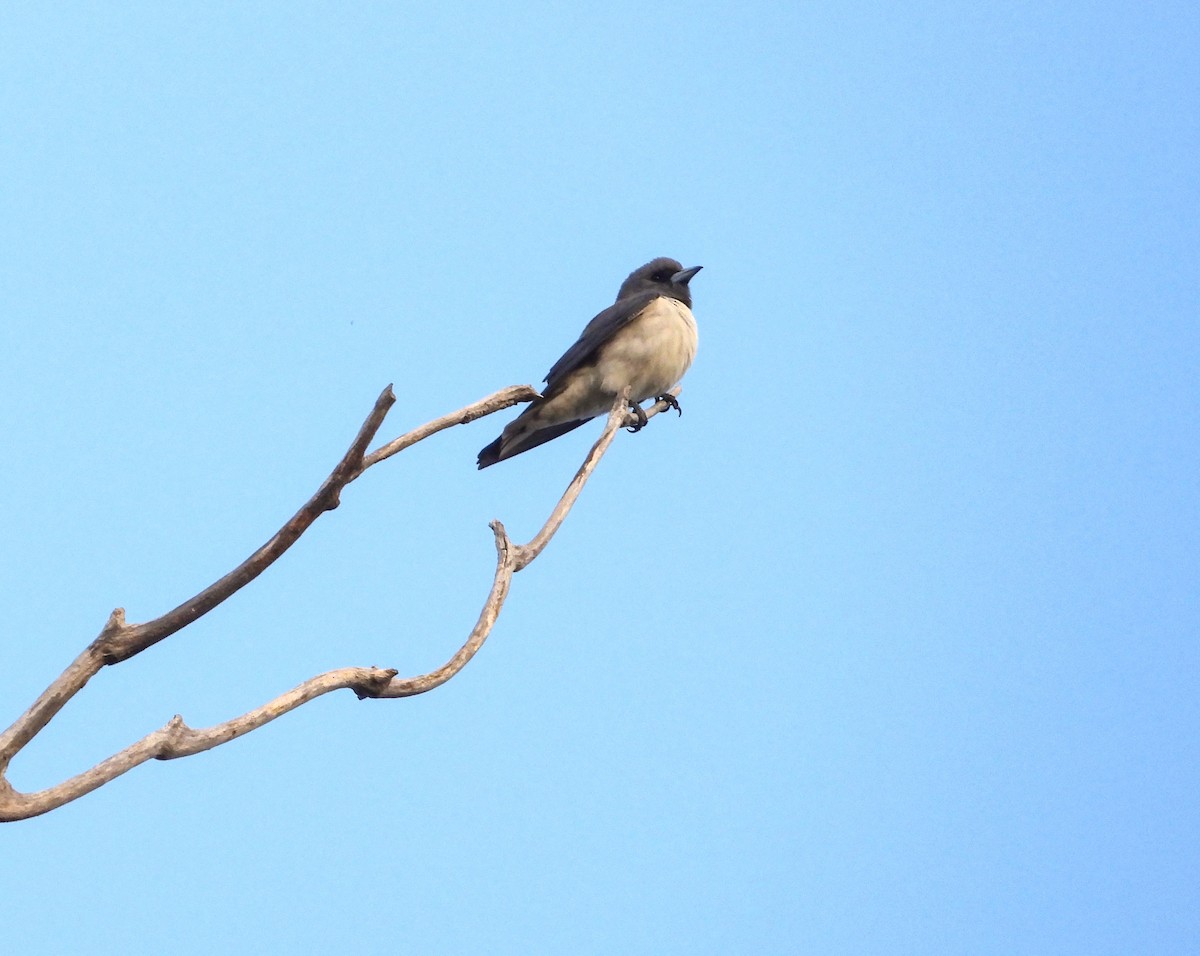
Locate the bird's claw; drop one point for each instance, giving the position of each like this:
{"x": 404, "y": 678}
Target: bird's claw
{"x": 638, "y": 412}
{"x": 671, "y": 402}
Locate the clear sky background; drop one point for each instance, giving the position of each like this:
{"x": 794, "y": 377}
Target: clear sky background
{"x": 888, "y": 645}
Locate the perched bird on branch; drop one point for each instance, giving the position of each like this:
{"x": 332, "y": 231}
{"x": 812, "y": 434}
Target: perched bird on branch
{"x": 646, "y": 340}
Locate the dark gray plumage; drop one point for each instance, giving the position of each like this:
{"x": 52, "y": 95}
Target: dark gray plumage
{"x": 646, "y": 339}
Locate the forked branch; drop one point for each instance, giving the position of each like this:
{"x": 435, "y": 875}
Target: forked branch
{"x": 118, "y": 641}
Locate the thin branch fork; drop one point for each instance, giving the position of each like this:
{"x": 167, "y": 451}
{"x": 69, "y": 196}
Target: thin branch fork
{"x": 118, "y": 640}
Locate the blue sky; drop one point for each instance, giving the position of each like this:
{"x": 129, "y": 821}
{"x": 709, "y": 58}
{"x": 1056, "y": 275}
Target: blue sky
{"x": 888, "y": 645}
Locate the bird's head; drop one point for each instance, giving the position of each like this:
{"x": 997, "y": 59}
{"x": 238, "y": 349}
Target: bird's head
{"x": 664, "y": 276}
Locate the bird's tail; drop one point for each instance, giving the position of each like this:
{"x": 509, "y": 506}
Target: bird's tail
{"x": 522, "y": 434}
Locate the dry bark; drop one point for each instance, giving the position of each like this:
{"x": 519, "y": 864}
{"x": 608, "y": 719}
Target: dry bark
{"x": 118, "y": 640}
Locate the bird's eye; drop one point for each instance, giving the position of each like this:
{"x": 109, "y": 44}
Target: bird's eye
{"x": 661, "y": 276}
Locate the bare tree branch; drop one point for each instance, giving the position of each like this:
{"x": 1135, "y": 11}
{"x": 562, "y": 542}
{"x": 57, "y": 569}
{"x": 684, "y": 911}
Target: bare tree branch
{"x": 118, "y": 641}
{"x": 505, "y": 398}
{"x": 122, "y": 641}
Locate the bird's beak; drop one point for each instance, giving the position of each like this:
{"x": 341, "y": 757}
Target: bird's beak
{"x": 684, "y": 276}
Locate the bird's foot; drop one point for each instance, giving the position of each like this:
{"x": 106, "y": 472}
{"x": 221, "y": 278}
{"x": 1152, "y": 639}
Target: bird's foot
{"x": 671, "y": 402}
{"x": 640, "y": 415}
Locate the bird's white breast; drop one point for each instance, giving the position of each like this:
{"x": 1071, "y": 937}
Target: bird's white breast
{"x": 651, "y": 353}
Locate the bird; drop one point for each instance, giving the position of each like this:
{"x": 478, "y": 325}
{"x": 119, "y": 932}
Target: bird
{"x": 646, "y": 339}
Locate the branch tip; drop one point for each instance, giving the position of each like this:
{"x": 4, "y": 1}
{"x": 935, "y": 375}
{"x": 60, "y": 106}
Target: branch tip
{"x": 504, "y": 543}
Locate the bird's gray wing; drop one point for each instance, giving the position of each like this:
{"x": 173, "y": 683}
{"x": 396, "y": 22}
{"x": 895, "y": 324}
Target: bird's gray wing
{"x": 602, "y": 328}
